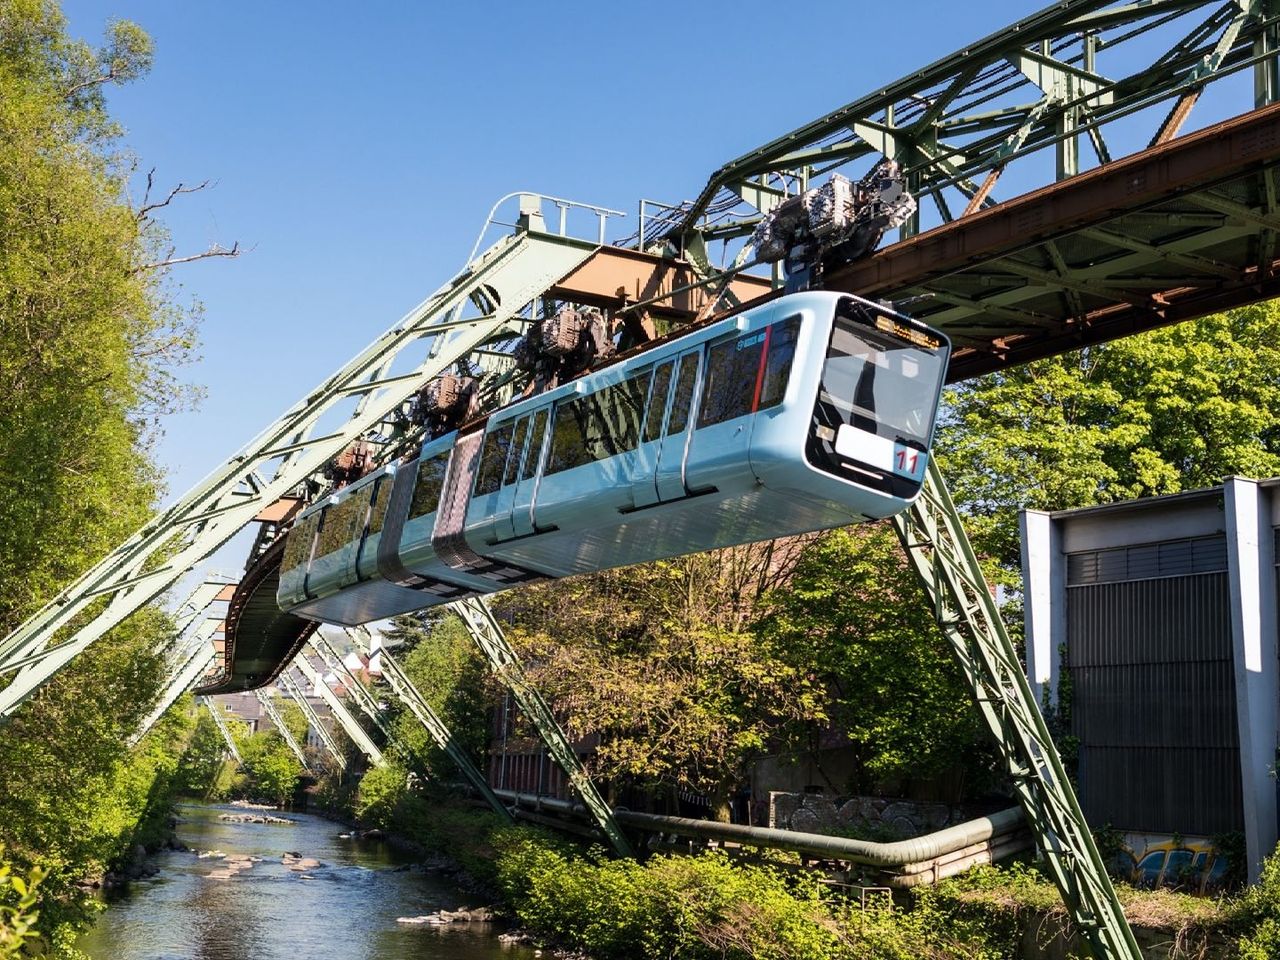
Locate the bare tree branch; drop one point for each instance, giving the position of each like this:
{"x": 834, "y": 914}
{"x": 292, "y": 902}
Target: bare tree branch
{"x": 214, "y": 251}
{"x": 145, "y": 210}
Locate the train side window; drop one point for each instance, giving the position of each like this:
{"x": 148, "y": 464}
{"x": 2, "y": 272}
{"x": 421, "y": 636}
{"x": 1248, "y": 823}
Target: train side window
{"x": 535, "y": 444}
{"x": 493, "y": 460}
{"x": 682, "y": 403}
{"x": 777, "y": 363}
{"x": 613, "y": 427}
{"x": 568, "y": 437}
{"x": 658, "y": 401}
{"x": 297, "y": 550}
{"x": 335, "y": 529}
{"x": 428, "y": 484}
{"x": 380, "y": 501}
{"x": 733, "y": 367}
{"x": 517, "y": 447}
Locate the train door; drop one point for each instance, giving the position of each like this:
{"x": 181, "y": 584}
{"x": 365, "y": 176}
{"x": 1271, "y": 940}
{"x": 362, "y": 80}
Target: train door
{"x": 644, "y": 460}
{"x": 525, "y": 488}
{"x": 673, "y": 446}
{"x": 504, "y": 503}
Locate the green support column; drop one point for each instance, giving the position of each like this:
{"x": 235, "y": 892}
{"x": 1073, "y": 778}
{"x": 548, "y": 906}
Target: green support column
{"x": 291, "y": 689}
{"x": 487, "y": 633}
{"x": 220, "y": 722}
{"x": 417, "y": 704}
{"x": 934, "y": 538}
{"x": 286, "y": 734}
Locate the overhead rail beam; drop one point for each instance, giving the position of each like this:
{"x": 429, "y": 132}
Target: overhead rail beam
{"x": 1081, "y": 68}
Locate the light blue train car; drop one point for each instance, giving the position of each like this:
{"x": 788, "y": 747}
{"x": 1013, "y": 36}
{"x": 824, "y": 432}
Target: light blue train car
{"x": 815, "y": 410}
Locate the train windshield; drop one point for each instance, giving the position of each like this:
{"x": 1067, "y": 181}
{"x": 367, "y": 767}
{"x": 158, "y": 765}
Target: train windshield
{"x": 881, "y": 376}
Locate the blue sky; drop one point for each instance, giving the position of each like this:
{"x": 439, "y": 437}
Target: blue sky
{"x": 357, "y": 148}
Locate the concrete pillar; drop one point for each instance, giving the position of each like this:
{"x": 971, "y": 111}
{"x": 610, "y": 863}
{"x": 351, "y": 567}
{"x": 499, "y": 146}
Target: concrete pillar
{"x": 1044, "y": 586}
{"x": 1251, "y": 567}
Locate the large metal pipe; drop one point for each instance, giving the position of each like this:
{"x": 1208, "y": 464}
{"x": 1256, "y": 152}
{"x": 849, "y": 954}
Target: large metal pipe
{"x": 919, "y": 850}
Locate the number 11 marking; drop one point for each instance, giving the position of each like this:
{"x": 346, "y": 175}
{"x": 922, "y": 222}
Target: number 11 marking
{"x": 907, "y": 464}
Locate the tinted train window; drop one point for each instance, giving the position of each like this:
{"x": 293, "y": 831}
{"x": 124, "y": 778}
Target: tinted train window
{"x": 381, "y": 499}
{"x": 429, "y": 483}
{"x": 517, "y": 445}
{"x": 493, "y": 460}
{"x": 568, "y": 439}
{"x": 297, "y": 549}
{"x": 732, "y": 368}
{"x": 683, "y": 402}
{"x": 777, "y": 365}
{"x": 658, "y": 401}
{"x": 535, "y": 444}
{"x": 616, "y": 412}
{"x": 335, "y": 529}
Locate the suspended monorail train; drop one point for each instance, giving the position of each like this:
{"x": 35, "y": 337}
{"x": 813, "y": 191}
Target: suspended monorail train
{"x": 812, "y": 411}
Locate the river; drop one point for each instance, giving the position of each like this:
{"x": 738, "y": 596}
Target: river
{"x": 345, "y": 909}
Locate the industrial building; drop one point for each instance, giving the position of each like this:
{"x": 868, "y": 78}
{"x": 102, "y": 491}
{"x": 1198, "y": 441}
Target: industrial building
{"x": 1151, "y": 636}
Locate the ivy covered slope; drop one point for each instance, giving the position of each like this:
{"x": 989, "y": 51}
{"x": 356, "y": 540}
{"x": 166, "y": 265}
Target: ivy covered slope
{"x": 89, "y": 337}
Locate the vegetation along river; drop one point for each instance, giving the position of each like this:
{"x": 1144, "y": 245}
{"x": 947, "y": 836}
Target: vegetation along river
{"x": 345, "y": 909}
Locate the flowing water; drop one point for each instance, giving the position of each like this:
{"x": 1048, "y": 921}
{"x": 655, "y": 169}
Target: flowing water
{"x": 345, "y": 909}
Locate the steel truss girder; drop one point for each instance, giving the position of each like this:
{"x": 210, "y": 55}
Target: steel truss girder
{"x": 933, "y": 535}
{"x": 277, "y": 721}
{"x": 1027, "y": 87}
{"x": 221, "y": 723}
{"x": 488, "y": 635}
{"x": 350, "y": 725}
{"x": 508, "y": 276}
{"x": 417, "y": 704}
{"x": 294, "y": 692}
{"x": 355, "y": 689}
{"x": 179, "y": 683}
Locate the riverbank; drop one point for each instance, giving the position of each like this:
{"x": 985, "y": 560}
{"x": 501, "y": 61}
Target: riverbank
{"x": 708, "y": 905}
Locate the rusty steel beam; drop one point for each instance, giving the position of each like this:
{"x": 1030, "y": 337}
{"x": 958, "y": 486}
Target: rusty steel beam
{"x": 614, "y": 277}
{"x": 1177, "y": 170}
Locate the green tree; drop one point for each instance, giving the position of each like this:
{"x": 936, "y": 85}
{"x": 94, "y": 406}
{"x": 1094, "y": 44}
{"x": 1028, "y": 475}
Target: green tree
{"x": 855, "y": 614}
{"x": 659, "y": 662}
{"x": 273, "y": 769}
{"x": 90, "y": 335}
{"x": 1169, "y": 410}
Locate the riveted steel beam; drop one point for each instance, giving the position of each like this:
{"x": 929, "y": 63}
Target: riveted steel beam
{"x": 933, "y": 535}
{"x": 350, "y": 725}
{"x": 503, "y": 660}
{"x": 417, "y": 704}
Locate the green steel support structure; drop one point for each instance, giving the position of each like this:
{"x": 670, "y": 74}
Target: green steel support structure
{"x": 1092, "y": 70}
{"x": 488, "y": 635}
{"x": 294, "y": 692}
{"x": 436, "y": 728}
{"x": 269, "y": 708}
{"x": 490, "y": 301}
{"x": 354, "y": 688}
{"x": 933, "y": 535}
{"x": 221, "y": 723}
{"x": 350, "y": 725}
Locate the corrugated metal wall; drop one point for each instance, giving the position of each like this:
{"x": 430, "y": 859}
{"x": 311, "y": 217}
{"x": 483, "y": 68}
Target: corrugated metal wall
{"x": 1153, "y": 706}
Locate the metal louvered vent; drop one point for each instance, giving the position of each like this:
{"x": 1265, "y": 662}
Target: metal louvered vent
{"x": 1148, "y": 561}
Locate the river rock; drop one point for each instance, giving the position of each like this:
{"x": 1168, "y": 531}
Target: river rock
{"x": 254, "y": 818}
